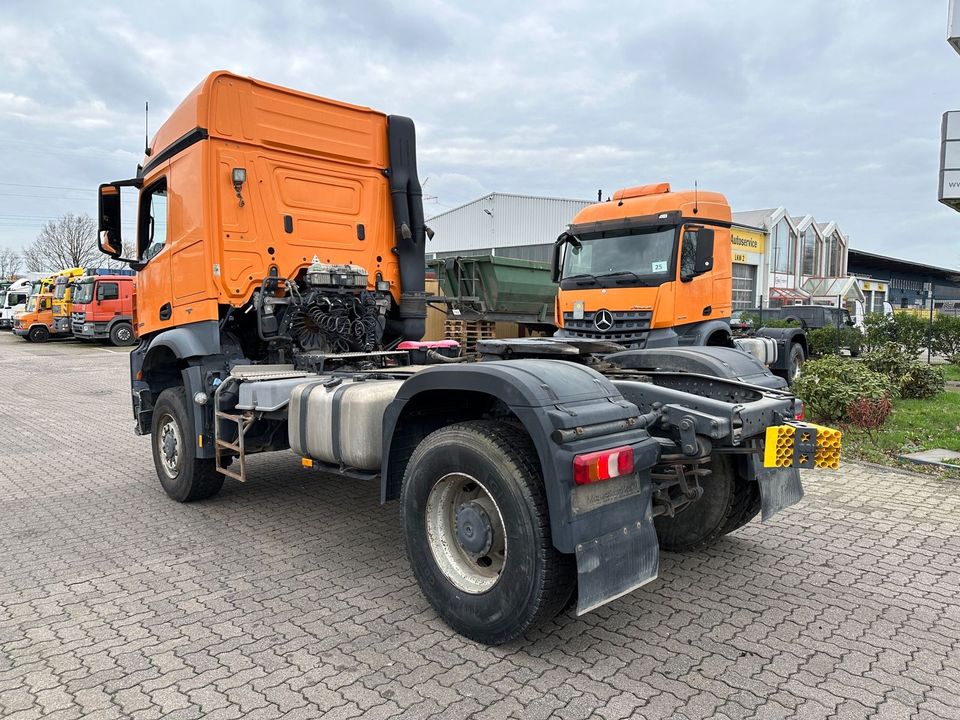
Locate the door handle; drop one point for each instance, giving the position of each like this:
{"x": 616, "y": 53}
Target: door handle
{"x": 166, "y": 311}
{"x": 708, "y": 310}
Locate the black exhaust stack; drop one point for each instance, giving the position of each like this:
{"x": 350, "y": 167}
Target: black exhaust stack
{"x": 407, "y": 199}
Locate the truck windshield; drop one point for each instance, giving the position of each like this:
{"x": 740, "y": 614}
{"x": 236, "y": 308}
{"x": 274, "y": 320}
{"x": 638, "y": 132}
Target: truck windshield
{"x": 61, "y": 290}
{"x": 643, "y": 256}
{"x": 83, "y": 293}
{"x": 32, "y": 303}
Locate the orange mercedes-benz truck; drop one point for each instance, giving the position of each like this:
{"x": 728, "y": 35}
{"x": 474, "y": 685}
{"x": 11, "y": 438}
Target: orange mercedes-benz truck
{"x": 652, "y": 268}
{"x": 280, "y": 306}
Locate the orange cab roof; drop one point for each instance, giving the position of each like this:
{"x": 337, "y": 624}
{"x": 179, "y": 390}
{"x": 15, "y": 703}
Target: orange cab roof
{"x": 655, "y": 199}
{"x": 198, "y": 110}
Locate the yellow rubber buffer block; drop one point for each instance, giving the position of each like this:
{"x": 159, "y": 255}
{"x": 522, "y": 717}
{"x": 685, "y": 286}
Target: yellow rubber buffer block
{"x": 780, "y": 447}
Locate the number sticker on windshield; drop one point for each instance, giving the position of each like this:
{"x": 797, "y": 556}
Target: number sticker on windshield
{"x": 659, "y": 266}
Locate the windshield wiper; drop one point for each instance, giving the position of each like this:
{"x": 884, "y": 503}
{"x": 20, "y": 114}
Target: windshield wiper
{"x": 627, "y": 275}
{"x": 581, "y": 277}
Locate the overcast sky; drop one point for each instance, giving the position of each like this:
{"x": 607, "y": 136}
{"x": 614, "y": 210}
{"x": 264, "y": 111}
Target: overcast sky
{"x": 830, "y": 108}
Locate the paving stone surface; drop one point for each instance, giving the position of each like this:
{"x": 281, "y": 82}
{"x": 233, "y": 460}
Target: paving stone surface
{"x": 290, "y": 596}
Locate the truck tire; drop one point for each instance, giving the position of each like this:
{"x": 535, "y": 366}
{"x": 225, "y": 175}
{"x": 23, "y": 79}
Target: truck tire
{"x": 183, "y": 475}
{"x": 38, "y": 333}
{"x": 467, "y": 488}
{"x": 795, "y": 359}
{"x": 121, "y": 334}
{"x": 728, "y": 502}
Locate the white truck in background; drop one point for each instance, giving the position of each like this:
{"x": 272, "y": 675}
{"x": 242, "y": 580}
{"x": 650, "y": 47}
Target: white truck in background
{"x": 14, "y": 299}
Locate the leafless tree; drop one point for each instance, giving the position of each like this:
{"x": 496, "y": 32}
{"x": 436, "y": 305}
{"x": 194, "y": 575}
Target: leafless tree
{"x": 10, "y": 263}
{"x": 70, "y": 241}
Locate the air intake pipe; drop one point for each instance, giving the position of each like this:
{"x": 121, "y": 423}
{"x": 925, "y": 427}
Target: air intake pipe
{"x": 407, "y": 198}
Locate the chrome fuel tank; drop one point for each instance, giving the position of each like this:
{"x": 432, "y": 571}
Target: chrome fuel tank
{"x": 340, "y": 422}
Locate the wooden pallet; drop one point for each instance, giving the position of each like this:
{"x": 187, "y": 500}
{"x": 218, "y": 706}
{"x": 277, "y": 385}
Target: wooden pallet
{"x": 469, "y": 332}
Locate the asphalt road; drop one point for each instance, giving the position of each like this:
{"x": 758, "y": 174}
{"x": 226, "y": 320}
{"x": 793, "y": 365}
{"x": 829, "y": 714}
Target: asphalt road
{"x": 290, "y": 596}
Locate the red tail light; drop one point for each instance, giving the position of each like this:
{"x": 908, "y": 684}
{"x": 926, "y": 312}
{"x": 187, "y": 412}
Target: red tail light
{"x": 800, "y": 409}
{"x": 603, "y": 465}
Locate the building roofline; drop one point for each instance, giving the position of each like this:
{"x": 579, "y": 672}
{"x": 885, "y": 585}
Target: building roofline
{"x": 946, "y": 273}
{"x": 489, "y": 195}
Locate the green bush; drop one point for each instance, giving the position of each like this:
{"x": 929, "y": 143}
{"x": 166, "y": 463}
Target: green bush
{"x": 830, "y": 385}
{"x": 900, "y": 327}
{"x": 891, "y": 361}
{"x": 909, "y": 377}
{"x": 946, "y": 335}
{"x": 824, "y": 341}
{"x": 923, "y": 381}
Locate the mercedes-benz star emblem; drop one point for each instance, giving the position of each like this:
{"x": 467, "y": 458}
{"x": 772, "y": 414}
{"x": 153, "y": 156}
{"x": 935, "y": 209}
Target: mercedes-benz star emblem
{"x": 603, "y": 320}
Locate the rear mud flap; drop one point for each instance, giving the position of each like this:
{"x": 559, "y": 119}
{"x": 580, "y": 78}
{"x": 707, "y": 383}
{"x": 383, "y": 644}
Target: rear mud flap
{"x": 779, "y": 488}
{"x": 617, "y": 563}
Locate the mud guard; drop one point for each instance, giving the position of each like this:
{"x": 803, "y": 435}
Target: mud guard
{"x": 779, "y": 487}
{"x": 615, "y": 564}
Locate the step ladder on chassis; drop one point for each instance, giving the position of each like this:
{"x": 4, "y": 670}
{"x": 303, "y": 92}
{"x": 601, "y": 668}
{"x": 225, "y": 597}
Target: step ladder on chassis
{"x": 223, "y": 449}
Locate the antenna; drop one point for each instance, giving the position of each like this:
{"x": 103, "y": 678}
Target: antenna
{"x": 696, "y": 198}
{"x": 599, "y": 194}
{"x": 146, "y": 128}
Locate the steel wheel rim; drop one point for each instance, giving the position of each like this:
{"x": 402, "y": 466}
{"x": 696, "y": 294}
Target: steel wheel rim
{"x": 170, "y": 455}
{"x": 123, "y": 334}
{"x": 797, "y": 369}
{"x": 470, "y": 572}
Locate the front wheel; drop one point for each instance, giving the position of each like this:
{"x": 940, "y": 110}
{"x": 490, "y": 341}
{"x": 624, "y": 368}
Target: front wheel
{"x": 121, "y": 334}
{"x": 477, "y": 531}
{"x": 183, "y": 476}
{"x": 38, "y": 333}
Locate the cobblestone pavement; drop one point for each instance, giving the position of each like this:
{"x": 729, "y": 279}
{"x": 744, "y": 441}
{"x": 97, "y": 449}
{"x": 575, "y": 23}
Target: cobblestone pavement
{"x": 290, "y": 596}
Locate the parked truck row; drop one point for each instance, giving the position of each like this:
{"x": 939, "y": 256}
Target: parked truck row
{"x": 280, "y": 253}
{"x": 83, "y": 303}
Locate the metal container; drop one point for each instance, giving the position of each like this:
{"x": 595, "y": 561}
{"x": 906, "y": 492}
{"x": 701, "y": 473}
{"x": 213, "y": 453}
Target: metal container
{"x": 499, "y": 288}
{"x": 340, "y": 422}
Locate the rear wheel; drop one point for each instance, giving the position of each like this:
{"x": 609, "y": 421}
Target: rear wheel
{"x": 796, "y": 357}
{"x": 121, "y": 334}
{"x": 728, "y": 502}
{"x": 477, "y": 531}
{"x": 38, "y": 333}
{"x": 183, "y": 475}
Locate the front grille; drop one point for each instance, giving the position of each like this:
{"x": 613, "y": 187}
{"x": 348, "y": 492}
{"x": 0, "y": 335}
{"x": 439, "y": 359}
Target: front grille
{"x": 76, "y": 320}
{"x": 629, "y": 328}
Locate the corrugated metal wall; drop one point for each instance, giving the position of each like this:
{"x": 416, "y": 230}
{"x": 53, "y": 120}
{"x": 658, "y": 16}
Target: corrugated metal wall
{"x": 501, "y": 221}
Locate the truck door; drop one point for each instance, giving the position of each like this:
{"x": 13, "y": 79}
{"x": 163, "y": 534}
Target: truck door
{"x": 154, "y": 298}
{"x": 108, "y": 294}
{"x": 696, "y": 298}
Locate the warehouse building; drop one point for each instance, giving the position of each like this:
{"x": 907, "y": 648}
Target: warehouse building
{"x": 516, "y": 226}
{"x": 906, "y": 284}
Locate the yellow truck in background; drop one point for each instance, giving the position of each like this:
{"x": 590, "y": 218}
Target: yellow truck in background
{"x": 63, "y": 299}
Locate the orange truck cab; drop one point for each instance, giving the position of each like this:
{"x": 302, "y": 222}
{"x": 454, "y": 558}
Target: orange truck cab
{"x": 649, "y": 268}
{"x": 652, "y": 268}
{"x": 35, "y": 322}
{"x": 103, "y": 309}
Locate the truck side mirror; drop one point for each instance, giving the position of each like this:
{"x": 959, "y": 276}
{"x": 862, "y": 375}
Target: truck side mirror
{"x": 109, "y": 239}
{"x": 99, "y": 293}
{"x": 703, "y": 260}
{"x": 559, "y": 251}
{"x": 557, "y": 257}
